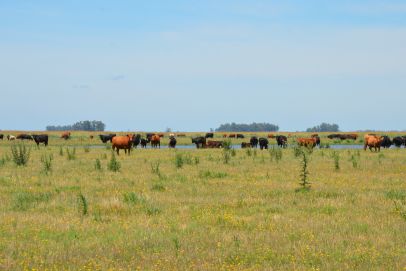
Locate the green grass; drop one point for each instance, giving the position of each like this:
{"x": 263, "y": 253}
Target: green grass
{"x": 246, "y": 214}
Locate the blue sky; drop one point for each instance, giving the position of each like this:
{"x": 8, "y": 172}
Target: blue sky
{"x": 192, "y": 65}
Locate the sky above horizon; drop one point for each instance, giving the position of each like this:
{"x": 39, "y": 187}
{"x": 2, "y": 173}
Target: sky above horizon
{"x": 193, "y": 65}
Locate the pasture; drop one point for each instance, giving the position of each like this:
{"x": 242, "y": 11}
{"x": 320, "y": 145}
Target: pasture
{"x": 206, "y": 209}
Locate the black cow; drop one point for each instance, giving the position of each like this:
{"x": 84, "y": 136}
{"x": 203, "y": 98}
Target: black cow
{"x": 209, "y": 135}
{"x": 254, "y": 142}
{"x": 172, "y": 142}
{"x": 263, "y": 143}
{"x": 240, "y": 136}
{"x": 399, "y": 141}
{"x": 41, "y": 139}
{"x": 317, "y": 140}
{"x": 144, "y": 142}
{"x": 136, "y": 140}
{"x": 386, "y": 142}
{"x": 334, "y": 136}
{"x": 199, "y": 141}
{"x": 149, "y": 136}
{"x": 282, "y": 141}
{"x": 105, "y": 138}
{"x": 24, "y": 136}
{"x": 1, "y": 136}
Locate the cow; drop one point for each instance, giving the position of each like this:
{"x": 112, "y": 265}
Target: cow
{"x": 144, "y": 142}
{"x": 386, "y": 142}
{"x": 200, "y": 141}
{"x": 171, "y": 135}
{"x": 91, "y": 136}
{"x": 209, "y": 135}
{"x": 172, "y": 142}
{"x": 282, "y": 141}
{"x": 180, "y": 135}
{"x": 43, "y": 138}
{"x": 263, "y": 143}
{"x": 240, "y": 136}
{"x": 149, "y": 136}
{"x": 334, "y": 136}
{"x": 352, "y": 136}
{"x": 122, "y": 142}
{"x": 224, "y": 135}
{"x": 214, "y": 144}
{"x": 254, "y": 141}
{"x": 398, "y": 141}
{"x": 307, "y": 142}
{"x": 155, "y": 141}
{"x": 232, "y": 136}
{"x": 136, "y": 140}
{"x": 11, "y": 137}
{"x": 1, "y": 136}
{"x": 372, "y": 141}
{"x": 65, "y": 135}
{"x": 24, "y": 136}
{"x": 161, "y": 135}
{"x": 315, "y": 136}
{"x": 271, "y": 136}
{"x": 105, "y": 138}
{"x": 245, "y": 145}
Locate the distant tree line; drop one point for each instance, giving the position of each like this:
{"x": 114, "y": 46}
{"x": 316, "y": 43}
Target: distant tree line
{"x": 253, "y": 127}
{"x": 324, "y": 127}
{"x": 86, "y": 125}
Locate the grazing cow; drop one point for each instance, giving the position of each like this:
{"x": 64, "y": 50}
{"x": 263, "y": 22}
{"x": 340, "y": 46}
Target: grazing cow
{"x": 91, "y": 136}
{"x": 209, "y": 135}
{"x": 180, "y": 135}
{"x": 307, "y": 142}
{"x": 271, "y": 136}
{"x": 65, "y": 135}
{"x": 224, "y": 135}
{"x": 352, "y": 136}
{"x": 155, "y": 141}
{"x": 240, "y": 136}
{"x": 245, "y": 145}
{"x": 11, "y": 137}
{"x": 105, "y": 138}
{"x": 144, "y": 143}
{"x": 172, "y": 142}
{"x": 122, "y": 142}
{"x": 214, "y": 144}
{"x": 232, "y": 135}
{"x": 41, "y": 139}
{"x": 399, "y": 141}
{"x": 263, "y": 143}
{"x": 372, "y": 141}
{"x": 136, "y": 140}
{"x": 24, "y": 136}
{"x": 334, "y": 136}
{"x": 1, "y": 136}
{"x": 254, "y": 141}
{"x": 282, "y": 141}
{"x": 200, "y": 141}
{"x": 386, "y": 142}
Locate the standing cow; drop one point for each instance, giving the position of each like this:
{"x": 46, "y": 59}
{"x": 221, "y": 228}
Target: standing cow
{"x": 122, "y": 142}
{"x": 41, "y": 139}
{"x": 155, "y": 141}
{"x": 65, "y": 135}
{"x": 263, "y": 143}
{"x": 254, "y": 141}
{"x": 172, "y": 142}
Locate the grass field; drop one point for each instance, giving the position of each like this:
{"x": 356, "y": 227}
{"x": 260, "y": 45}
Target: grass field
{"x": 201, "y": 209}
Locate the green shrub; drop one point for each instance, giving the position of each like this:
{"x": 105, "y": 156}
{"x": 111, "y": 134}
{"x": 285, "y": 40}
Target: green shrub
{"x": 133, "y": 198}
{"x": 71, "y": 154}
{"x": 179, "y": 160}
{"x": 20, "y": 154}
{"x": 82, "y": 204}
{"x": 46, "y": 161}
{"x": 113, "y": 165}
{"x": 97, "y": 164}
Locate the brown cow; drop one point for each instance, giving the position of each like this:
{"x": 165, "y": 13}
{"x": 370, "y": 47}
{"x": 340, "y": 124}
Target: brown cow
{"x": 232, "y": 135}
{"x": 180, "y": 135}
{"x": 155, "y": 141}
{"x": 307, "y": 142}
{"x": 224, "y": 135}
{"x": 373, "y": 141}
{"x": 214, "y": 144}
{"x": 246, "y": 145}
{"x": 122, "y": 142}
{"x": 161, "y": 135}
{"x": 65, "y": 135}
{"x": 271, "y": 136}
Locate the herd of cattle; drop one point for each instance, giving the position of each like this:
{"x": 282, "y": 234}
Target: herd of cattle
{"x": 127, "y": 142}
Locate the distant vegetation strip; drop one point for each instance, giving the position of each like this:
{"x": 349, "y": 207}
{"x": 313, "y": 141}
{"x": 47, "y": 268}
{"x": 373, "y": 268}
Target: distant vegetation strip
{"x": 86, "y": 125}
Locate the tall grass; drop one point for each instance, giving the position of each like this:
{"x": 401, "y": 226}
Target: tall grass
{"x": 20, "y": 154}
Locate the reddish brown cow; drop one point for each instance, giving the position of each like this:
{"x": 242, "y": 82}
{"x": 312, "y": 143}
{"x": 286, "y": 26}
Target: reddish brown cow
{"x": 271, "y": 136}
{"x": 307, "y": 142}
{"x": 180, "y": 135}
{"x": 155, "y": 141}
{"x": 161, "y": 135}
{"x": 122, "y": 142}
{"x": 373, "y": 141}
{"x": 214, "y": 144}
{"x": 224, "y": 135}
{"x": 232, "y": 135}
{"x": 65, "y": 135}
